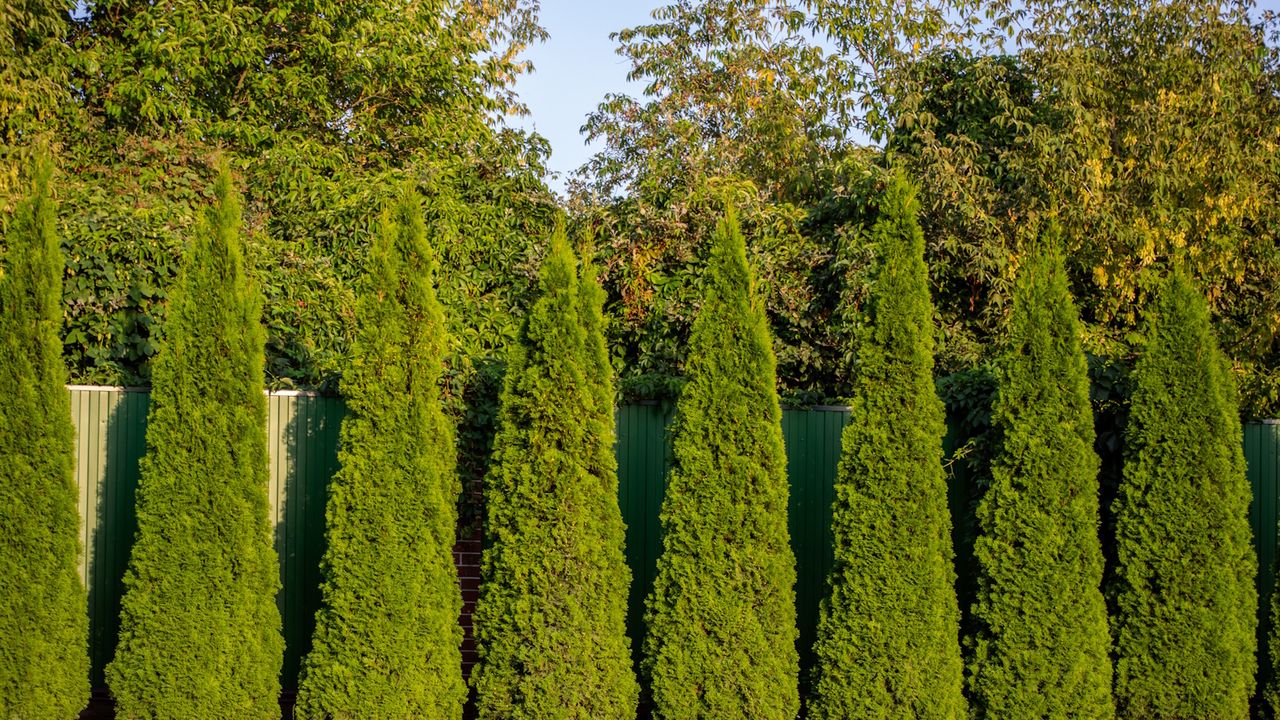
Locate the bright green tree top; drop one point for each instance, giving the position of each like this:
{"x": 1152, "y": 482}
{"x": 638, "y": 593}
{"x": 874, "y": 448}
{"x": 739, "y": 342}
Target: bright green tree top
{"x": 721, "y": 618}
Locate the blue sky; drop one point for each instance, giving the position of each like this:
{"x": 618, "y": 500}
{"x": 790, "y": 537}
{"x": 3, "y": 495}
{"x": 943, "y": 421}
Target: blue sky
{"x": 574, "y": 69}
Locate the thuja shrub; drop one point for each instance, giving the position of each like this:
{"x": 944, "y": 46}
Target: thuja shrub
{"x": 1185, "y": 597}
{"x": 889, "y": 630}
{"x": 1042, "y": 644}
{"x": 199, "y": 628}
{"x": 387, "y": 642}
{"x": 44, "y": 655}
{"x": 613, "y": 572}
{"x": 721, "y": 618}
{"x": 550, "y": 620}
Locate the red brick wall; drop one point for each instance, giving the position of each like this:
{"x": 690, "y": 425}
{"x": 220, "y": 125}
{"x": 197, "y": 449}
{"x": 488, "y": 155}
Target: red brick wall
{"x": 466, "y": 555}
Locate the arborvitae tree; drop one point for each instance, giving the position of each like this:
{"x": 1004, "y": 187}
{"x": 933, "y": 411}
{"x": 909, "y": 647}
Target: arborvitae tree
{"x": 1042, "y": 645}
{"x": 722, "y": 619}
{"x": 44, "y": 651}
{"x": 889, "y": 632}
{"x": 615, "y": 575}
{"x": 199, "y": 628}
{"x": 550, "y": 621}
{"x": 1186, "y": 602}
{"x": 387, "y": 642}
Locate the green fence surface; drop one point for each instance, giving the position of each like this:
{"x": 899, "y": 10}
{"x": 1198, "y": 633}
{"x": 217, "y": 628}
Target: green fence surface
{"x": 303, "y": 439}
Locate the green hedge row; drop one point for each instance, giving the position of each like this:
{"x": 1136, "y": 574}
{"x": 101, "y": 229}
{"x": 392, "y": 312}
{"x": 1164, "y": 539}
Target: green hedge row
{"x": 200, "y": 633}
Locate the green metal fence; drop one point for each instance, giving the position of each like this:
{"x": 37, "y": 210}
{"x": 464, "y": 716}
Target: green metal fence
{"x": 303, "y": 437}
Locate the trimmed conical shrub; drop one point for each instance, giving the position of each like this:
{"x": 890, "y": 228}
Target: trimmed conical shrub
{"x": 610, "y": 605}
{"x": 199, "y": 628}
{"x": 1186, "y": 602}
{"x": 44, "y": 653}
{"x": 722, "y": 618}
{"x": 550, "y": 621}
{"x": 1042, "y": 643}
{"x": 889, "y": 631}
{"x": 387, "y": 642}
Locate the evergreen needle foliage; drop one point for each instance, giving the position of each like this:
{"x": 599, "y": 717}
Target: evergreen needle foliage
{"x": 44, "y": 657}
{"x": 550, "y": 621}
{"x": 721, "y": 618}
{"x": 1042, "y": 644}
{"x": 199, "y": 627}
{"x": 1186, "y": 602}
{"x": 387, "y": 642}
{"x": 889, "y": 632}
{"x": 610, "y": 605}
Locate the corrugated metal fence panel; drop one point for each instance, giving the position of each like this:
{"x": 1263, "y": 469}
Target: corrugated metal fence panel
{"x": 643, "y": 454}
{"x": 1262, "y": 452}
{"x": 111, "y": 438}
{"x": 813, "y": 453}
{"x": 302, "y": 436}
{"x": 813, "y": 449}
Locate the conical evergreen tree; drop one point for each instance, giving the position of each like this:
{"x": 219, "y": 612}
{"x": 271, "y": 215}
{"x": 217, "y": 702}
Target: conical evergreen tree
{"x": 722, "y": 619}
{"x": 889, "y": 631}
{"x": 1186, "y": 602}
{"x": 44, "y": 652}
{"x": 199, "y": 627}
{"x": 550, "y": 620}
{"x": 614, "y": 575}
{"x": 387, "y": 642}
{"x": 1042, "y": 645}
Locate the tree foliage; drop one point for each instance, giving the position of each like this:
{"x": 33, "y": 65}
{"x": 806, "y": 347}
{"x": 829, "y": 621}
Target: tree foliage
{"x": 1042, "y": 647}
{"x": 731, "y": 108}
{"x": 1186, "y": 603}
{"x": 611, "y": 604}
{"x": 44, "y": 627}
{"x": 730, "y": 92}
{"x": 351, "y": 81}
{"x": 321, "y": 107}
{"x": 387, "y": 641}
{"x": 199, "y": 627}
{"x": 888, "y": 634}
{"x": 721, "y": 618}
{"x": 550, "y": 623}
{"x": 35, "y": 69}
{"x": 1149, "y": 126}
